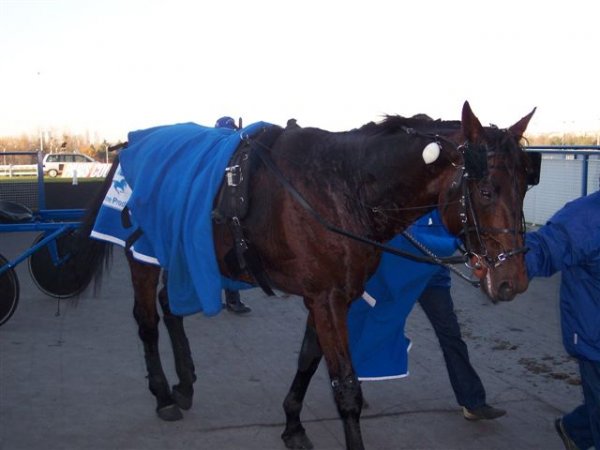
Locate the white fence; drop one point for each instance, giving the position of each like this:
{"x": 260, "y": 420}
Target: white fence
{"x": 16, "y": 170}
{"x": 69, "y": 170}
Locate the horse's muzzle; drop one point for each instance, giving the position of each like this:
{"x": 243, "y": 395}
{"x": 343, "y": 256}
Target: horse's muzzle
{"x": 506, "y": 292}
{"x": 503, "y": 290}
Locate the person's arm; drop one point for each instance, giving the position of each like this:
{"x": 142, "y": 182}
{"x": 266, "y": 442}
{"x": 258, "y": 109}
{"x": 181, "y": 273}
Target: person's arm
{"x": 550, "y": 250}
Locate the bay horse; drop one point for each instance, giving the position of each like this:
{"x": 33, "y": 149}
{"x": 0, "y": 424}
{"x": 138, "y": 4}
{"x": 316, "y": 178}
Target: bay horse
{"x": 370, "y": 184}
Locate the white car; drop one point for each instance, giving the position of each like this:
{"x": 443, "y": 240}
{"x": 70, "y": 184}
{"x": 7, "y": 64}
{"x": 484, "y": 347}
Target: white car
{"x": 55, "y": 162}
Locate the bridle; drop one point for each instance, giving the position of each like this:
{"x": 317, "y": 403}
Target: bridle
{"x": 469, "y": 172}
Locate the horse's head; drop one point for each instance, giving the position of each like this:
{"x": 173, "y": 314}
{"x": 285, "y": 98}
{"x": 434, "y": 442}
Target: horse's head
{"x": 483, "y": 203}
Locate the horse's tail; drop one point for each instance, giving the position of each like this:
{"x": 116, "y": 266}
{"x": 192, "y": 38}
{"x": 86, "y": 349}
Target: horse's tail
{"x": 91, "y": 257}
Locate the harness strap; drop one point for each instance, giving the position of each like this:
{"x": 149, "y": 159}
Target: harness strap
{"x": 133, "y": 237}
{"x": 126, "y": 222}
{"x": 244, "y": 258}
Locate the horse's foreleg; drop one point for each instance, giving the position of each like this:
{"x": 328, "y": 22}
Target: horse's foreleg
{"x": 330, "y": 322}
{"x": 183, "y": 392}
{"x": 310, "y": 356}
{"x": 145, "y": 282}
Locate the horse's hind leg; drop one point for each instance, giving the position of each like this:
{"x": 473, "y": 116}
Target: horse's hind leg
{"x": 145, "y": 282}
{"x": 310, "y": 356}
{"x": 183, "y": 392}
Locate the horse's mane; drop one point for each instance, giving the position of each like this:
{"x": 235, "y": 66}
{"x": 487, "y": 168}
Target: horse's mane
{"x": 420, "y": 122}
{"x": 425, "y": 124}
{"x": 350, "y": 149}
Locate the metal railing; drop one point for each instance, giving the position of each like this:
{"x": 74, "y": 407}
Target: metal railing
{"x": 568, "y": 172}
{"x": 582, "y": 152}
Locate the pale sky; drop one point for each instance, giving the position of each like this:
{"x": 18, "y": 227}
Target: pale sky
{"x": 111, "y": 66}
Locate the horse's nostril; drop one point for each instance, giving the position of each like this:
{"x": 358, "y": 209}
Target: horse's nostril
{"x": 506, "y": 291}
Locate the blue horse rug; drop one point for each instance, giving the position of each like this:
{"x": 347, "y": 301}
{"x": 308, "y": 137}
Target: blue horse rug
{"x": 168, "y": 179}
{"x": 376, "y": 321}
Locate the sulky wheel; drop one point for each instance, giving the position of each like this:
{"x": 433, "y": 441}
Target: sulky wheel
{"x": 55, "y": 280}
{"x": 9, "y": 292}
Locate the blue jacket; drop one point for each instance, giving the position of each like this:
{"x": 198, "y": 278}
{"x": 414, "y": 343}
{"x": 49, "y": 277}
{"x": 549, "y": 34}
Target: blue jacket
{"x": 378, "y": 345}
{"x": 570, "y": 243}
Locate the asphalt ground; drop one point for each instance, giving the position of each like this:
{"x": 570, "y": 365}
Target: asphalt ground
{"x": 72, "y": 375}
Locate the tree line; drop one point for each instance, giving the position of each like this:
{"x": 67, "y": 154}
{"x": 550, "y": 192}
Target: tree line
{"x": 564, "y": 139}
{"x": 60, "y": 143}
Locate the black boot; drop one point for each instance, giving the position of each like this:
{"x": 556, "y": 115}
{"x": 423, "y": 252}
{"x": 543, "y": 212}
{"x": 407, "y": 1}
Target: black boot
{"x": 234, "y": 304}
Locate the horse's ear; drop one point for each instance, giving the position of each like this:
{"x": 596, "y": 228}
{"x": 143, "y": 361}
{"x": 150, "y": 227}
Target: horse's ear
{"x": 518, "y": 129}
{"x": 471, "y": 126}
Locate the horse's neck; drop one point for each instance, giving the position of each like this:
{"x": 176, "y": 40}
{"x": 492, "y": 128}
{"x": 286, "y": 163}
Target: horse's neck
{"x": 404, "y": 187}
{"x": 376, "y": 184}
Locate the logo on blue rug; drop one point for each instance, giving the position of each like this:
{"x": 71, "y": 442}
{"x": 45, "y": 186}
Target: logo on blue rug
{"x": 119, "y": 192}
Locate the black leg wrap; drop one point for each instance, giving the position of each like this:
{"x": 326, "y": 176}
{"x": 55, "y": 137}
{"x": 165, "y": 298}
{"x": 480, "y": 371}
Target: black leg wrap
{"x": 348, "y": 398}
{"x": 294, "y": 435}
{"x": 183, "y": 392}
{"x": 348, "y": 395}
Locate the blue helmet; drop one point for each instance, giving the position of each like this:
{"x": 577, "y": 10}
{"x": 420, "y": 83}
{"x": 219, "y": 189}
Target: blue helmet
{"x": 226, "y": 122}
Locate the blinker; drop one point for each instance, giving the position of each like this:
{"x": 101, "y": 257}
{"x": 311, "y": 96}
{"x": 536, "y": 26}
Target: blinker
{"x": 534, "y": 166}
{"x": 475, "y": 157}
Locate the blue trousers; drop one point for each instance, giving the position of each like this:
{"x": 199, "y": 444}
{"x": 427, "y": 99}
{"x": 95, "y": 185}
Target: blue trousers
{"x": 583, "y": 423}
{"x": 467, "y": 386}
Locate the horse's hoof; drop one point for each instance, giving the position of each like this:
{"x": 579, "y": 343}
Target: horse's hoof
{"x": 181, "y": 400}
{"x": 169, "y": 413}
{"x": 297, "y": 441}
